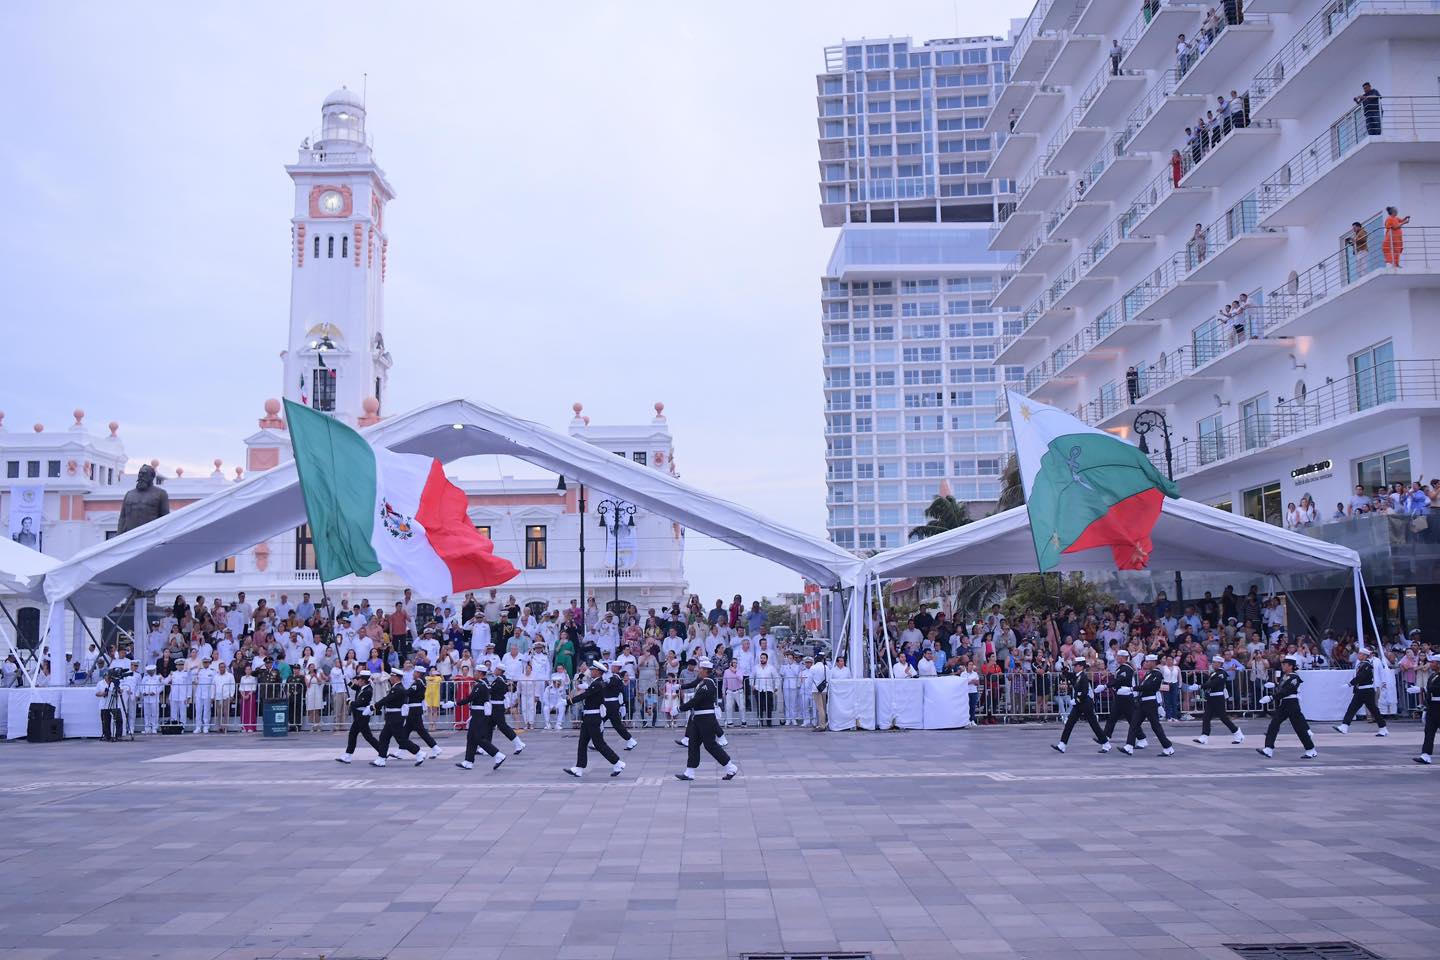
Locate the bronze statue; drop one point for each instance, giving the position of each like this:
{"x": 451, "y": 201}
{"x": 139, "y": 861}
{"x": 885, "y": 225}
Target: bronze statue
{"x": 145, "y": 503}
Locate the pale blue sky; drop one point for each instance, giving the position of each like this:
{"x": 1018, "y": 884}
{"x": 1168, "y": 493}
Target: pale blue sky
{"x": 606, "y": 202}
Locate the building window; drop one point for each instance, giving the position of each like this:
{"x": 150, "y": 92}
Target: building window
{"x": 323, "y": 389}
{"x": 304, "y": 548}
{"x": 1374, "y": 371}
{"x": 1384, "y": 469}
{"x": 330, "y": 247}
{"x": 639, "y": 457}
{"x": 225, "y": 566}
{"x": 1225, "y": 506}
{"x": 484, "y": 531}
{"x": 344, "y": 246}
{"x": 32, "y": 469}
{"x": 317, "y": 246}
{"x": 52, "y": 468}
{"x": 535, "y": 547}
{"x": 1263, "y": 504}
{"x": 12, "y": 469}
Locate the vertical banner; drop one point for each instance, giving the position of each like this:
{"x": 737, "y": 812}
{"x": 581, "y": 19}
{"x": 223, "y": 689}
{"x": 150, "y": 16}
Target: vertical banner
{"x": 627, "y": 544}
{"x": 27, "y": 510}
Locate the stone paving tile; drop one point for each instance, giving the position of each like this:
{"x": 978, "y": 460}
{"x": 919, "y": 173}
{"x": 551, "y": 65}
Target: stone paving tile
{"x": 1000, "y": 850}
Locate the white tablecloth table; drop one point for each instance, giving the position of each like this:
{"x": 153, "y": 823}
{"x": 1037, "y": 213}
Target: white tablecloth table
{"x": 77, "y": 706}
{"x": 850, "y": 704}
{"x": 947, "y": 704}
{"x": 931, "y": 703}
{"x": 899, "y": 703}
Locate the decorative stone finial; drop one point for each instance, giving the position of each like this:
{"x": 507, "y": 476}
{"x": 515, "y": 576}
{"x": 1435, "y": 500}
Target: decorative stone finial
{"x": 179, "y": 472}
{"x": 39, "y": 428}
{"x": 217, "y": 461}
{"x": 272, "y": 420}
{"x": 659, "y": 409}
{"x": 272, "y": 407}
{"x": 239, "y": 474}
{"x": 79, "y": 416}
{"x": 371, "y": 405}
{"x": 114, "y": 427}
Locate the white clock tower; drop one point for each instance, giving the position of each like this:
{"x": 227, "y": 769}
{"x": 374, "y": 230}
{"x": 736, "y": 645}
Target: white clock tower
{"x": 336, "y": 358}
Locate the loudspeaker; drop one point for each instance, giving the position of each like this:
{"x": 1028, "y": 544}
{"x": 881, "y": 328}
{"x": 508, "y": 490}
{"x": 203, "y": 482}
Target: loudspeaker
{"x": 44, "y": 712}
{"x": 48, "y": 731}
{"x": 172, "y": 728}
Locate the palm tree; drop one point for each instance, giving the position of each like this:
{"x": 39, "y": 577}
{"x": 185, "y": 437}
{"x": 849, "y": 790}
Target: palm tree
{"x": 944, "y": 513}
{"x": 1012, "y": 489}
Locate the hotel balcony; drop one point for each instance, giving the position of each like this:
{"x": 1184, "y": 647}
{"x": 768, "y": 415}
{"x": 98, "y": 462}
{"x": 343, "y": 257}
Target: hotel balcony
{"x": 1060, "y": 14}
{"x": 1073, "y": 143}
{"x": 1099, "y": 342}
{"x": 1012, "y": 96}
{"x": 1037, "y": 115}
{"x": 1109, "y": 96}
{"x": 1218, "y": 163}
{"x": 1040, "y": 188}
{"x": 1161, "y": 205}
{"x": 1207, "y": 67}
{"x": 1290, "y": 81}
{"x": 1346, "y": 284}
{"x": 1157, "y": 120}
{"x": 1034, "y": 48}
{"x": 1016, "y": 228}
{"x": 1104, "y": 16}
{"x": 1217, "y": 351}
{"x": 1110, "y": 174}
{"x": 1150, "y": 45}
{"x": 1075, "y": 53}
{"x": 1118, "y": 247}
{"x": 1347, "y": 155}
{"x": 1013, "y": 157}
{"x": 1391, "y": 389}
{"x": 1026, "y": 272}
{"x": 1215, "y": 252}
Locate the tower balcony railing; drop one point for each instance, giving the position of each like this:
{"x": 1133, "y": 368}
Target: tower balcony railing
{"x": 1317, "y": 33}
{"x": 898, "y": 188}
{"x": 1405, "y": 119}
{"x": 1374, "y": 390}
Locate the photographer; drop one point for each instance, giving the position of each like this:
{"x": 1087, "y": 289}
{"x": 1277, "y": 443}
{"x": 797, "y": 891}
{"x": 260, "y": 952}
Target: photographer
{"x": 117, "y": 686}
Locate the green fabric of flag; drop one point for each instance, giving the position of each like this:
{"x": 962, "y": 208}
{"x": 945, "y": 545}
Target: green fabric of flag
{"x": 338, "y": 481}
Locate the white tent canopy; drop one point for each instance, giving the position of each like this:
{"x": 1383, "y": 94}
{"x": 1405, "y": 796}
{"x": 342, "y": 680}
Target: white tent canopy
{"x": 22, "y": 568}
{"x": 1188, "y": 536}
{"x": 267, "y": 504}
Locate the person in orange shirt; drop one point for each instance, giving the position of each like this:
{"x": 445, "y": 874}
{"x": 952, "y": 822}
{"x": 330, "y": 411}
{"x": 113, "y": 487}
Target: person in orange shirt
{"x": 1394, "y": 236}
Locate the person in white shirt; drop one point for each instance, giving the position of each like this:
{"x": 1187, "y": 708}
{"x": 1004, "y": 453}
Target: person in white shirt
{"x": 911, "y": 635}
{"x": 766, "y": 681}
{"x": 149, "y": 688}
{"x": 792, "y": 689}
{"x": 970, "y": 681}
{"x": 179, "y": 683}
{"x": 816, "y": 683}
{"x": 206, "y": 679}
{"x": 745, "y": 657}
{"x": 283, "y": 607}
{"x": 838, "y": 670}
{"x": 900, "y": 669}
{"x": 224, "y": 696}
{"x": 552, "y": 699}
{"x": 926, "y": 666}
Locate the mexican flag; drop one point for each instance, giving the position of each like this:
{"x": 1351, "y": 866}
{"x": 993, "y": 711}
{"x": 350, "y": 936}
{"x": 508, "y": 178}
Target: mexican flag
{"x": 1084, "y": 487}
{"x": 372, "y": 509}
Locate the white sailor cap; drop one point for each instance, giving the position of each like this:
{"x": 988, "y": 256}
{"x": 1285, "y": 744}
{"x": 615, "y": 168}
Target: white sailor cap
{"x": 1077, "y": 659}
{"x": 1151, "y": 656}
{"x": 708, "y": 665}
{"x": 363, "y": 673}
{"x": 499, "y": 666}
{"x": 482, "y": 667}
{"x": 1122, "y": 652}
{"x": 597, "y": 665}
{"x": 810, "y": 659}
{"x": 1292, "y": 658}
{"x": 558, "y": 675}
{"x": 1434, "y": 658}
{"x": 151, "y": 666}
{"x": 397, "y": 672}
{"x": 1363, "y": 649}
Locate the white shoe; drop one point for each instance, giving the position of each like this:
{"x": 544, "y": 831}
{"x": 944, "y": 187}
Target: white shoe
{"x": 618, "y": 769}
{"x": 1202, "y": 739}
{"x": 499, "y": 759}
{"x": 378, "y": 762}
{"x": 1423, "y": 758}
{"x": 1341, "y": 728}
{"x": 1168, "y": 752}
{"x": 1105, "y": 747}
{"x": 1310, "y": 754}
{"x": 1383, "y": 732}
{"x": 1142, "y": 743}
{"x": 420, "y": 758}
{"x": 632, "y": 744}
{"x": 1126, "y": 749}
{"x": 1059, "y": 746}
{"x": 1239, "y": 737}
{"x": 519, "y": 745}
{"x": 687, "y": 775}
{"x": 723, "y": 740}
{"x": 1265, "y": 751}
{"x": 344, "y": 758}
{"x": 683, "y": 742}
{"x": 576, "y": 772}
{"x": 465, "y": 765}
{"x": 730, "y": 771}
{"x": 435, "y": 752}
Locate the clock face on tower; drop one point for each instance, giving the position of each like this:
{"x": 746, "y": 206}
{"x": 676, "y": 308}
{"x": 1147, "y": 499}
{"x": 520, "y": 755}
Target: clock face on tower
{"x": 331, "y": 202}
{"x": 328, "y": 200}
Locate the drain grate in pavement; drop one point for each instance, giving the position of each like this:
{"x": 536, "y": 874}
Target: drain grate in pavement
{"x": 810, "y": 955}
{"x": 1339, "y": 950}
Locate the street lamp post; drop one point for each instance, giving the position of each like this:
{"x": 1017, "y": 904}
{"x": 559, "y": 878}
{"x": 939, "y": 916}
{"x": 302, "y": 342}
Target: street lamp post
{"x": 622, "y": 512}
{"x": 560, "y": 486}
{"x": 1145, "y": 421}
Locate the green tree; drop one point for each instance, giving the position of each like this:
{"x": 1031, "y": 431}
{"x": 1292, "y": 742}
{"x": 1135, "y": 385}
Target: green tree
{"x": 944, "y": 514}
{"x": 1012, "y": 489}
{"x": 1048, "y": 592}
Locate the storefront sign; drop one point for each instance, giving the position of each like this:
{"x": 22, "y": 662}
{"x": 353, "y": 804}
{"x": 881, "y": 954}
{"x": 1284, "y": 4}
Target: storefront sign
{"x": 1318, "y": 470}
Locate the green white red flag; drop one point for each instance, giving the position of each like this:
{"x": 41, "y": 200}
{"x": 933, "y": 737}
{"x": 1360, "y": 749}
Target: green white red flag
{"x": 1084, "y": 488}
{"x": 371, "y": 509}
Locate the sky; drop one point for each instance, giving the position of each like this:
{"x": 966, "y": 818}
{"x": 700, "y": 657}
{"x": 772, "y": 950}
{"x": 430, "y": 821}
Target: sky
{"x": 611, "y": 203}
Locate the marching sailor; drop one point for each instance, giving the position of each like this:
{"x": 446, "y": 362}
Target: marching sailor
{"x": 415, "y": 710}
{"x": 1286, "y": 695}
{"x": 499, "y": 687}
{"x": 362, "y": 695}
{"x": 1363, "y": 695}
{"x": 702, "y": 707}
{"x": 614, "y": 693}
{"x": 1432, "y": 709}
{"x": 684, "y": 741}
{"x": 592, "y": 706}
{"x": 1216, "y": 686}
{"x": 482, "y": 722}
{"x": 392, "y": 707}
{"x": 1147, "y": 708}
{"x": 1075, "y": 675}
{"x": 1122, "y": 707}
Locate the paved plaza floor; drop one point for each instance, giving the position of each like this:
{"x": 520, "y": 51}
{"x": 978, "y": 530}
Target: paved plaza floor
{"x": 981, "y": 843}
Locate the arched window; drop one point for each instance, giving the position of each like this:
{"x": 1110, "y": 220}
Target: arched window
{"x": 317, "y": 246}
{"x": 344, "y": 246}
{"x": 330, "y": 247}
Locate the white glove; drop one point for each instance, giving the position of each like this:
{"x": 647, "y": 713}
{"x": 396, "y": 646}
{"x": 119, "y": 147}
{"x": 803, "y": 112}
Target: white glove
{"x": 366, "y": 711}
{"x": 1266, "y": 699}
{"x": 1270, "y": 685}
{"x": 1125, "y": 691}
{"x": 1162, "y": 711}
{"x": 405, "y": 710}
{"x": 1412, "y": 689}
{"x": 1193, "y": 687}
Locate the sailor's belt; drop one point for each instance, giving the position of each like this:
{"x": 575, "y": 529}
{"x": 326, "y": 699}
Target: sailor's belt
{"x": 1366, "y": 686}
{"x": 392, "y": 709}
{"x": 500, "y": 701}
{"x": 612, "y": 699}
{"x": 1149, "y": 698}
{"x": 701, "y": 712}
{"x": 1293, "y": 696}
{"x": 591, "y": 713}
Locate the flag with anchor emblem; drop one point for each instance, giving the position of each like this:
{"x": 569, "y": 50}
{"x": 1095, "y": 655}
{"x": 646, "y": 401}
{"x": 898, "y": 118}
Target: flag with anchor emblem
{"x": 371, "y": 509}
{"x": 1084, "y": 488}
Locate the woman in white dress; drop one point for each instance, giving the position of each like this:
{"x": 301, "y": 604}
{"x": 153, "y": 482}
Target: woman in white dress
{"x": 314, "y": 694}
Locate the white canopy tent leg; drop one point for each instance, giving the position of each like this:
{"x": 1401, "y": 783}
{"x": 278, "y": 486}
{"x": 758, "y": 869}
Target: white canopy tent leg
{"x": 77, "y": 639}
{"x": 140, "y": 631}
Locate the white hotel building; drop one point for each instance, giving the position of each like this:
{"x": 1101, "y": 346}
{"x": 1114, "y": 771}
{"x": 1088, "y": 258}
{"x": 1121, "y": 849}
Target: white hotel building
{"x": 909, "y": 333}
{"x": 335, "y": 359}
{"x": 1129, "y": 253}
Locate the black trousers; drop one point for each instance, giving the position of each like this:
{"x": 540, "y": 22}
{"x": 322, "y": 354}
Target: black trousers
{"x": 1432, "y": 723}
{"x": 766, "y": 708}
{"x": 1121, "y": 708}
{"x": 1364, "y": 698}
{"x": 1147, "y": 710}
{"x": 1083, "y": 709}
{"x": 477, "y": 737}
{"x": 1289, "y": 710}
{"x": 707, "y": 729}
{"x": 612, "y": 713}
{"x": 592, "y": 735}
{"x": 395, "y": 730}
{"x": 498, "y": 721}
{"x": 1215, "y": 710}
{"x": 360, "y": 727}
{"x": 415, "y": 725}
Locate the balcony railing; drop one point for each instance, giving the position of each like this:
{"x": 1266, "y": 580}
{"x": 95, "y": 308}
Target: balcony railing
{"x": 1030, "y": 31}
{"x": 1161, "y": 89}
{"x": 898, "y": 188}
{"x": 1147, "y": 291}
{"x": 1397, "y": 118}
{"x": 1394, "y": 381}
{"x": 1206, "y": 37}
{"x": 1317, "y": 33}
{"x": 1243, "y": 219}
{"x": 1210, "y": 340}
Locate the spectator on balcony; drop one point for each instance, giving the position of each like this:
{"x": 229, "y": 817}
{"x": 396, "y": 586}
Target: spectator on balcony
{"x": 1182, "y": 46}
{"x": 1358, "y": 242}
{"x": 1309, "y": 514}
{"x": 1417, "y": 500}
{"x": 1339, "y": 513}
{"x": 1194, "y": 144}
{"x": 1116, "y": 55}
{"x": 1292, "y": 516}
{"x": 1394, "y": 241}
{"x": 1132, "y": 384}
{"x": 1359, "y": 503}
{"x": 1216, "y": 127}
{"x": 1222, "y": 111}
{"x": 1177, "y": 168}
{"x": 1239, "y": 109}
{"x": 1368, "y": 101}
{"x": 1197, "y": 245}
